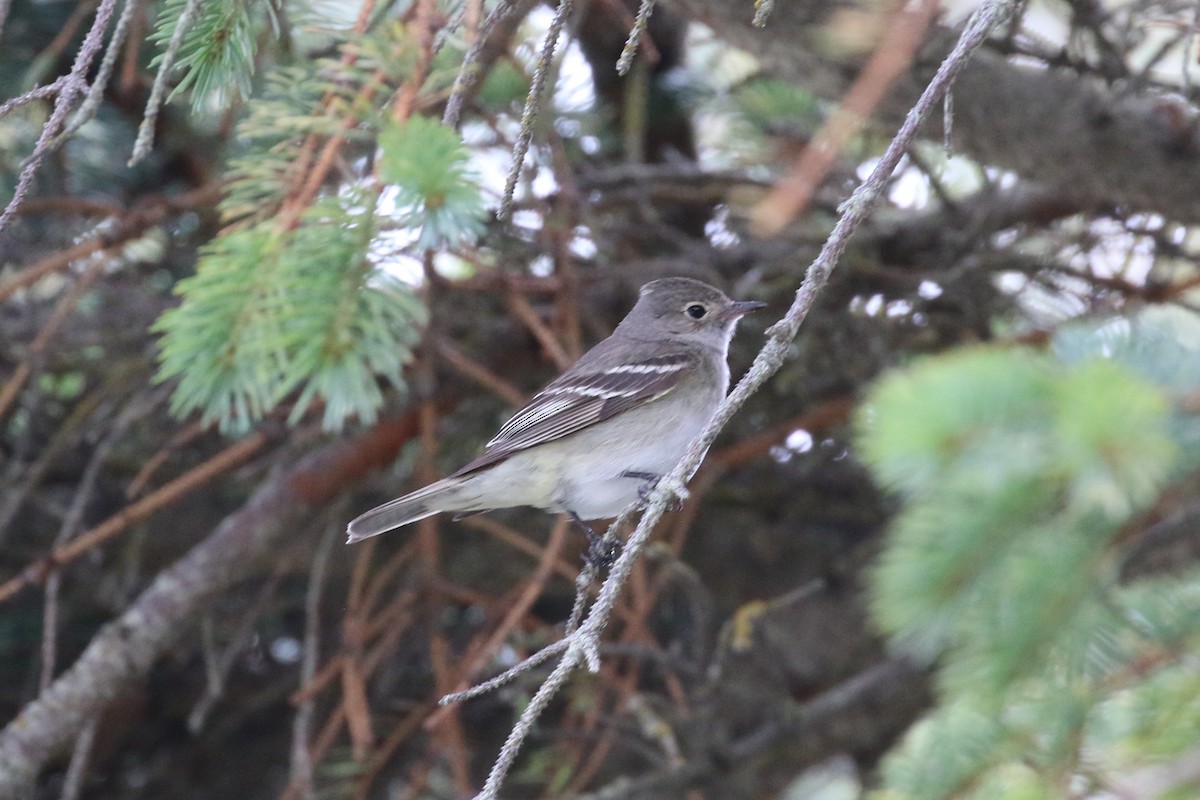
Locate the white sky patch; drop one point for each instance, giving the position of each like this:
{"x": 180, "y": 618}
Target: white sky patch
{"x": 582, "y": 245}
{"x": 573, "y": 90}
{"x": 800, "y": 441}
{"x": 543, "y": 183}
{"x": 911, "y": 189}
{"x": 529, "y": 220}
{"x": 1012, "y": 282}
{"x": 286, "y": 649}
{"x": 929, "y": 290}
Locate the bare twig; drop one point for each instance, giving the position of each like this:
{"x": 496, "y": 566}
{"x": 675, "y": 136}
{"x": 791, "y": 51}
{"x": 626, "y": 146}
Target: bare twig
{"x": 479, "y": 373}
{"x": 302, "y": 761}
{"x": 468, "y": 71}
{"x": 533, "y": 102}
{"x": 70, "y": 87}
{"x": 135, "y": 512}
{"x": 74, "y": 518}
{"x": 123, "y": 652}
{"x": 77, "y": 769}
{"x": 519, "y": 305}
{"x": 158, "y": 91}
{"x": 583, "y": 645}
{"x": 635, "y": 36}
{"x": 218, "y": 665}
{"x": 95, "y": 94}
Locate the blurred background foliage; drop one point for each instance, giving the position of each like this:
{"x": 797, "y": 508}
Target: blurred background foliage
{"x": 949, "y": 551}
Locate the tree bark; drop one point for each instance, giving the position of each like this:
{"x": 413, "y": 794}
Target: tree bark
{"x": 123, "y": 652}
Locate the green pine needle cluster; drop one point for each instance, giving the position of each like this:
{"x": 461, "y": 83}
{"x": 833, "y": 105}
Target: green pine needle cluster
{"x": 272, "y": 314}
{"x": 1018, "y": 472}
{"x": 435, "y": 191}
{"x": 298, "y": 313}
{"x": 217, "y": 54}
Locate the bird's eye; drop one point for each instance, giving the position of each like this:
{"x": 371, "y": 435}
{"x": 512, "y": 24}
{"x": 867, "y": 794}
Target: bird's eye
{"x": 696, "y": 311}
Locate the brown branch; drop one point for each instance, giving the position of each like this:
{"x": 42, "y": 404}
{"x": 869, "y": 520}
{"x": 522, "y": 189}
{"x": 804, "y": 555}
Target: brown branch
{"x": 891, "y": 58}
{"x": 470, "y": 368}
{"x": 154, "y": 211}
{"x": 520, "y": 307}
{"x": 60, "y": 315}
{"x": 123, "y": 652}
{"x": 534, "y": 587}
{"x": 227, "y": 459}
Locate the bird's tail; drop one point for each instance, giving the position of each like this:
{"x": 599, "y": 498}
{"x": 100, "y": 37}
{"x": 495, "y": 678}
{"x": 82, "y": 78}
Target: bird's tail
{"x": 434, "y": 498}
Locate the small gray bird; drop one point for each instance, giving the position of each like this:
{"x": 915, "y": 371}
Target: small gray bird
{"x": 603, "y": 433}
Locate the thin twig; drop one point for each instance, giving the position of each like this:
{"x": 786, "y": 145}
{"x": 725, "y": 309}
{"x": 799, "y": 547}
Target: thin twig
{"x": 145, "y": 135}
{"x": 40, "y": 93}
{"x": 227, "y": 459}
{"x": 479, "y": 373}
{"x": 468, "y": 71}
{"x": 519, "y": 305}
{"x": 635, "y": 37}
{"x": 91, "y": 104}
{"x": 71, "y": 86}
{"x": 218, "y": 665}
{"x": 302, "y": 761}
{"x": 583, "y": 644}
{"x": 74, "y": 518}
{"x": 533, "y": 102}
{"x": 77, "y": 769}
{"x": 491, "y": 684}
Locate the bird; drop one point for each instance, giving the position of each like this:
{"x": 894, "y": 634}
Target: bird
{"x": 601, "y": 435}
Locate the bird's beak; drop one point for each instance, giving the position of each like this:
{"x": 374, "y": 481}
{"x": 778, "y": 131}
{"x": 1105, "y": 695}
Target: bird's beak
{"x": 739, "y": 308}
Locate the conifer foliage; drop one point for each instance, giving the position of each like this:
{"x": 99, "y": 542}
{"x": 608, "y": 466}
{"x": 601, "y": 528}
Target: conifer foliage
{"x": 1018, "y": 472}
{"x": 291, "y": 304}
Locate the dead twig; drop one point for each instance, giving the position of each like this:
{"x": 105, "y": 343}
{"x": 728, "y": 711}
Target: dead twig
{"x": 893, "y": 55}
{"x": 227, "y": 459}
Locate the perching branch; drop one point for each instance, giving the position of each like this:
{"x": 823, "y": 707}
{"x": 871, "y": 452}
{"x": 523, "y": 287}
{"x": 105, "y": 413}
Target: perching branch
{"x": 583, "y": 644}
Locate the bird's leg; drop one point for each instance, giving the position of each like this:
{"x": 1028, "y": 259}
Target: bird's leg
{"x": 649, "y": 482}
{"x": 600, "y": 554}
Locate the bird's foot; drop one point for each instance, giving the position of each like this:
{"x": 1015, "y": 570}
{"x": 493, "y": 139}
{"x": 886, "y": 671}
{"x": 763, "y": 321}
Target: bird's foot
{"x": 601, "y": 552}
{"x": 650, "y": 483}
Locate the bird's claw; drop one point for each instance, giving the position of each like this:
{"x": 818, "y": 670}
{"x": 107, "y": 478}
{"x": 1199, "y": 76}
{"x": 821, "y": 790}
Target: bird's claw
{"x": 601, "y": 552}
{"x": 650, "y": 484}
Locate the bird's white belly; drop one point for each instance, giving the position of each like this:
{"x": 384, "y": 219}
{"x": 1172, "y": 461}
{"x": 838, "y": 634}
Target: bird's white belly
{"x": 592, "y": 483}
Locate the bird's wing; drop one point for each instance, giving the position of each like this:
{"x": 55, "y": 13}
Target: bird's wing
{"x": 577, "y": 400}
